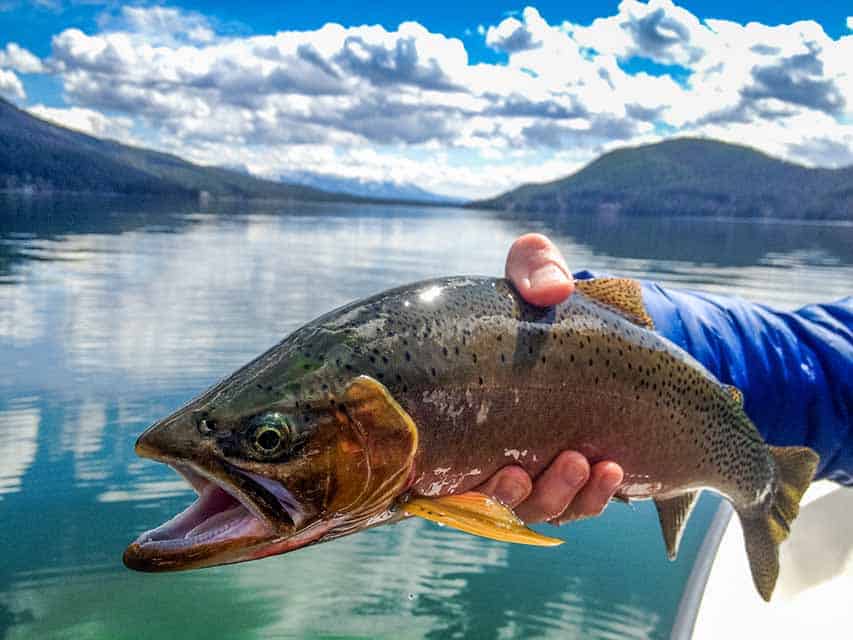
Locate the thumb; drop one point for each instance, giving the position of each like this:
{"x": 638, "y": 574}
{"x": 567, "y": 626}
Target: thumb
{"x": 536, "y": 268}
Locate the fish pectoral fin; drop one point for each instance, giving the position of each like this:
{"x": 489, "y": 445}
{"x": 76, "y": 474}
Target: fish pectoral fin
{"x": 622, "y": 295}
{"x": 480, "y": 515}
{"x": 673, "y": 514}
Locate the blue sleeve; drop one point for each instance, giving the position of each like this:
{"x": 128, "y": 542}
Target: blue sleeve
{"x": 795, "y": 369}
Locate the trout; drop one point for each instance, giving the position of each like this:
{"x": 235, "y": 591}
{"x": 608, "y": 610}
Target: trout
{"x": 399, "y": 405}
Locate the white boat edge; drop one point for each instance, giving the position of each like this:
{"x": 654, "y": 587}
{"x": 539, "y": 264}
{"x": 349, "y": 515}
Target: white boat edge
{"x": 813, "y": 594}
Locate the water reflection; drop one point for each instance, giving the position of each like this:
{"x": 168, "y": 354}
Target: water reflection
{"x": 113, "y": 315}
{"x": 19, "y": 427}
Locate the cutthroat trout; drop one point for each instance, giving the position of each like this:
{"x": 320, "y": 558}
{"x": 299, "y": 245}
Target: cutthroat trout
{"x": 400, "y": 404}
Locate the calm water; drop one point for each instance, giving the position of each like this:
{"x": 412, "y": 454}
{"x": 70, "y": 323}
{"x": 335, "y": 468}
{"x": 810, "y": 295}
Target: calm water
{"x": 112, "y": 316}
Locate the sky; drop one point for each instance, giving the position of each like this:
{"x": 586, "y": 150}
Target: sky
{"x": 466, "y": 99}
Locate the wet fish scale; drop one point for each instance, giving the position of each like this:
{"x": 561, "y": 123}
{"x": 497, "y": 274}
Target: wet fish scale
{"x": 428, "y": 389}
{"x": 482, "y": 372}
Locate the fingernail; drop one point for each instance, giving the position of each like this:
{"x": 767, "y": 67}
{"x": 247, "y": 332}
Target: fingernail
{"x": 509, "y": 491}
{"x": 547, "y": 274}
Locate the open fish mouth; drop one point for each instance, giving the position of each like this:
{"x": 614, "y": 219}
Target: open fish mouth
{"x": 236, "y": 515}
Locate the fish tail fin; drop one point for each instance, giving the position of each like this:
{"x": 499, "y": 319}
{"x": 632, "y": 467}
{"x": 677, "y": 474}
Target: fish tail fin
{"x": 765, "y": 528}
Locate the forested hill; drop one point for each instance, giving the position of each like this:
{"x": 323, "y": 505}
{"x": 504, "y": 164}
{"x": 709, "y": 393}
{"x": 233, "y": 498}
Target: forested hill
{"x": 689, "y": 176}
{"x": 40, "y": 156}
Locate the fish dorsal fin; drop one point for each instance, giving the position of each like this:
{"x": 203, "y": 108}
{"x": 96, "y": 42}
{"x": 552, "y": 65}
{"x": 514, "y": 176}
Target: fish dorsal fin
{"x": 673, "y": 514}
{"x": 375, "y": 449}
{"x": 480, "y": 515}
{"x": 735, "y": 393}
{"x": 622, "y": 295}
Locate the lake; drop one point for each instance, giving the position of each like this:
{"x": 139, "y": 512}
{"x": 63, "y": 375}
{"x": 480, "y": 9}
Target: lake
{"x": 114, "y": 314}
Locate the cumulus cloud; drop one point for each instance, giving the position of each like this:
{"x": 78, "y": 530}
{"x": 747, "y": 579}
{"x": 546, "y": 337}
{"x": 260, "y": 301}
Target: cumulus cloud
{"x": 87, "y": 121}
{"x": 319, "y": 99}
{"x": 162, "y": 25}
{"x": 798, "y": 79}
{"x": 15, "y": 57}
{"x": 10, "y": 86}
{"x": 512, "y": 35}
{"x": 658, "y": 30}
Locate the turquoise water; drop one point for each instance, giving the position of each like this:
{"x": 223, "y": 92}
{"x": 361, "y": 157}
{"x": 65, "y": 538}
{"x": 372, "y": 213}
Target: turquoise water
{"x": 114, "y": 314}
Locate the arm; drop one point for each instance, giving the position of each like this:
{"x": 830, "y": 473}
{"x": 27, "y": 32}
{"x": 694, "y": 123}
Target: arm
{"x": 795, "y": 369}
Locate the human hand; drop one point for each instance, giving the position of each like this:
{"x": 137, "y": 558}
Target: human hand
{"x": 569, "y": 488}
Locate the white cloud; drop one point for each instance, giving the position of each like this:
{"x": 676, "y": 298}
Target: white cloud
{"x": 161, "y": 25}
{"x": 512, "y": 35}
{"x": 295, "y": 100}
{"x": 850, "y": 23}
{"x": 87, "y": 121}
{"x": 19, "y": 59}
{"x": 659, "y": 31}
{"x": 10, "y": 86}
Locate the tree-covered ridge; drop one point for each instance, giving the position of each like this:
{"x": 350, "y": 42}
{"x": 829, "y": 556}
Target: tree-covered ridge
{"x": 39, "y": 156}
{"x": 689, "y": 176}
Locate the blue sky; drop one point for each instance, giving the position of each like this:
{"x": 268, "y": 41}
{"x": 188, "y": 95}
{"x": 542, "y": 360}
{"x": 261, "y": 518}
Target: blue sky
{"x": 466, "y": 99}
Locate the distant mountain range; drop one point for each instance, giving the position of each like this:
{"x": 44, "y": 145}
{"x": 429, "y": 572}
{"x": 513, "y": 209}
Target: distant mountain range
{"x": 685, "y": 176}
{"x": 690, "y": 176}
{"x": 385, "y": 189}
{"x": 39, "y": 156}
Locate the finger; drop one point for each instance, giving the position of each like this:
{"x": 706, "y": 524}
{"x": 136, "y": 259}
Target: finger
{"x": 604, "y": 480}
{"x": 538, "y": 271}
{"x": 510, "y": 485}
{"x": 554, "y": 490}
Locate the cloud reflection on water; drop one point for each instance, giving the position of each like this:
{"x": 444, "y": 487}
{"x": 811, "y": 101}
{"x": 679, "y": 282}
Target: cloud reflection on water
{"x": 124, "y": 316}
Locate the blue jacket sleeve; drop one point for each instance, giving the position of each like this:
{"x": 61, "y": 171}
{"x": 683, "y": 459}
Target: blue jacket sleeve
{"x": 795, "y": 369}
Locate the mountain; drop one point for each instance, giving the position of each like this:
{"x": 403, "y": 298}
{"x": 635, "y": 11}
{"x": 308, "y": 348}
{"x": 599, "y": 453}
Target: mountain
{"x": 386, "y": 189}
{"x": 690, "y": 176}
{"x": 41, "y": 156}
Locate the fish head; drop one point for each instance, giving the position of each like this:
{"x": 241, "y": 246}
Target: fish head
{"x": 276, "y": 478}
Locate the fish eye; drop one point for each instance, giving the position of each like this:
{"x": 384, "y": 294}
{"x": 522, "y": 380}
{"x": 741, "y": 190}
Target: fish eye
{"x": 270, "y": 435}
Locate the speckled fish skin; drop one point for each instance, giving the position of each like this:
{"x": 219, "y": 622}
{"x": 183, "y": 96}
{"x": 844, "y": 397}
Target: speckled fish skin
{"x": 419, "y": 394}
{"x": 491, "y": 380}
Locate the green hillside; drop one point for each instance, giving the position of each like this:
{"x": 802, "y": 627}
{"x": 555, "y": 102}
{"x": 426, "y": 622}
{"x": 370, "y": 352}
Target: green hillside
{"x": 38, "y": 155}
{"x": 693, "y": 177}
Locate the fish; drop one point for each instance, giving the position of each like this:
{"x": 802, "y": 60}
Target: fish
{"x": 399, "y": 405}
